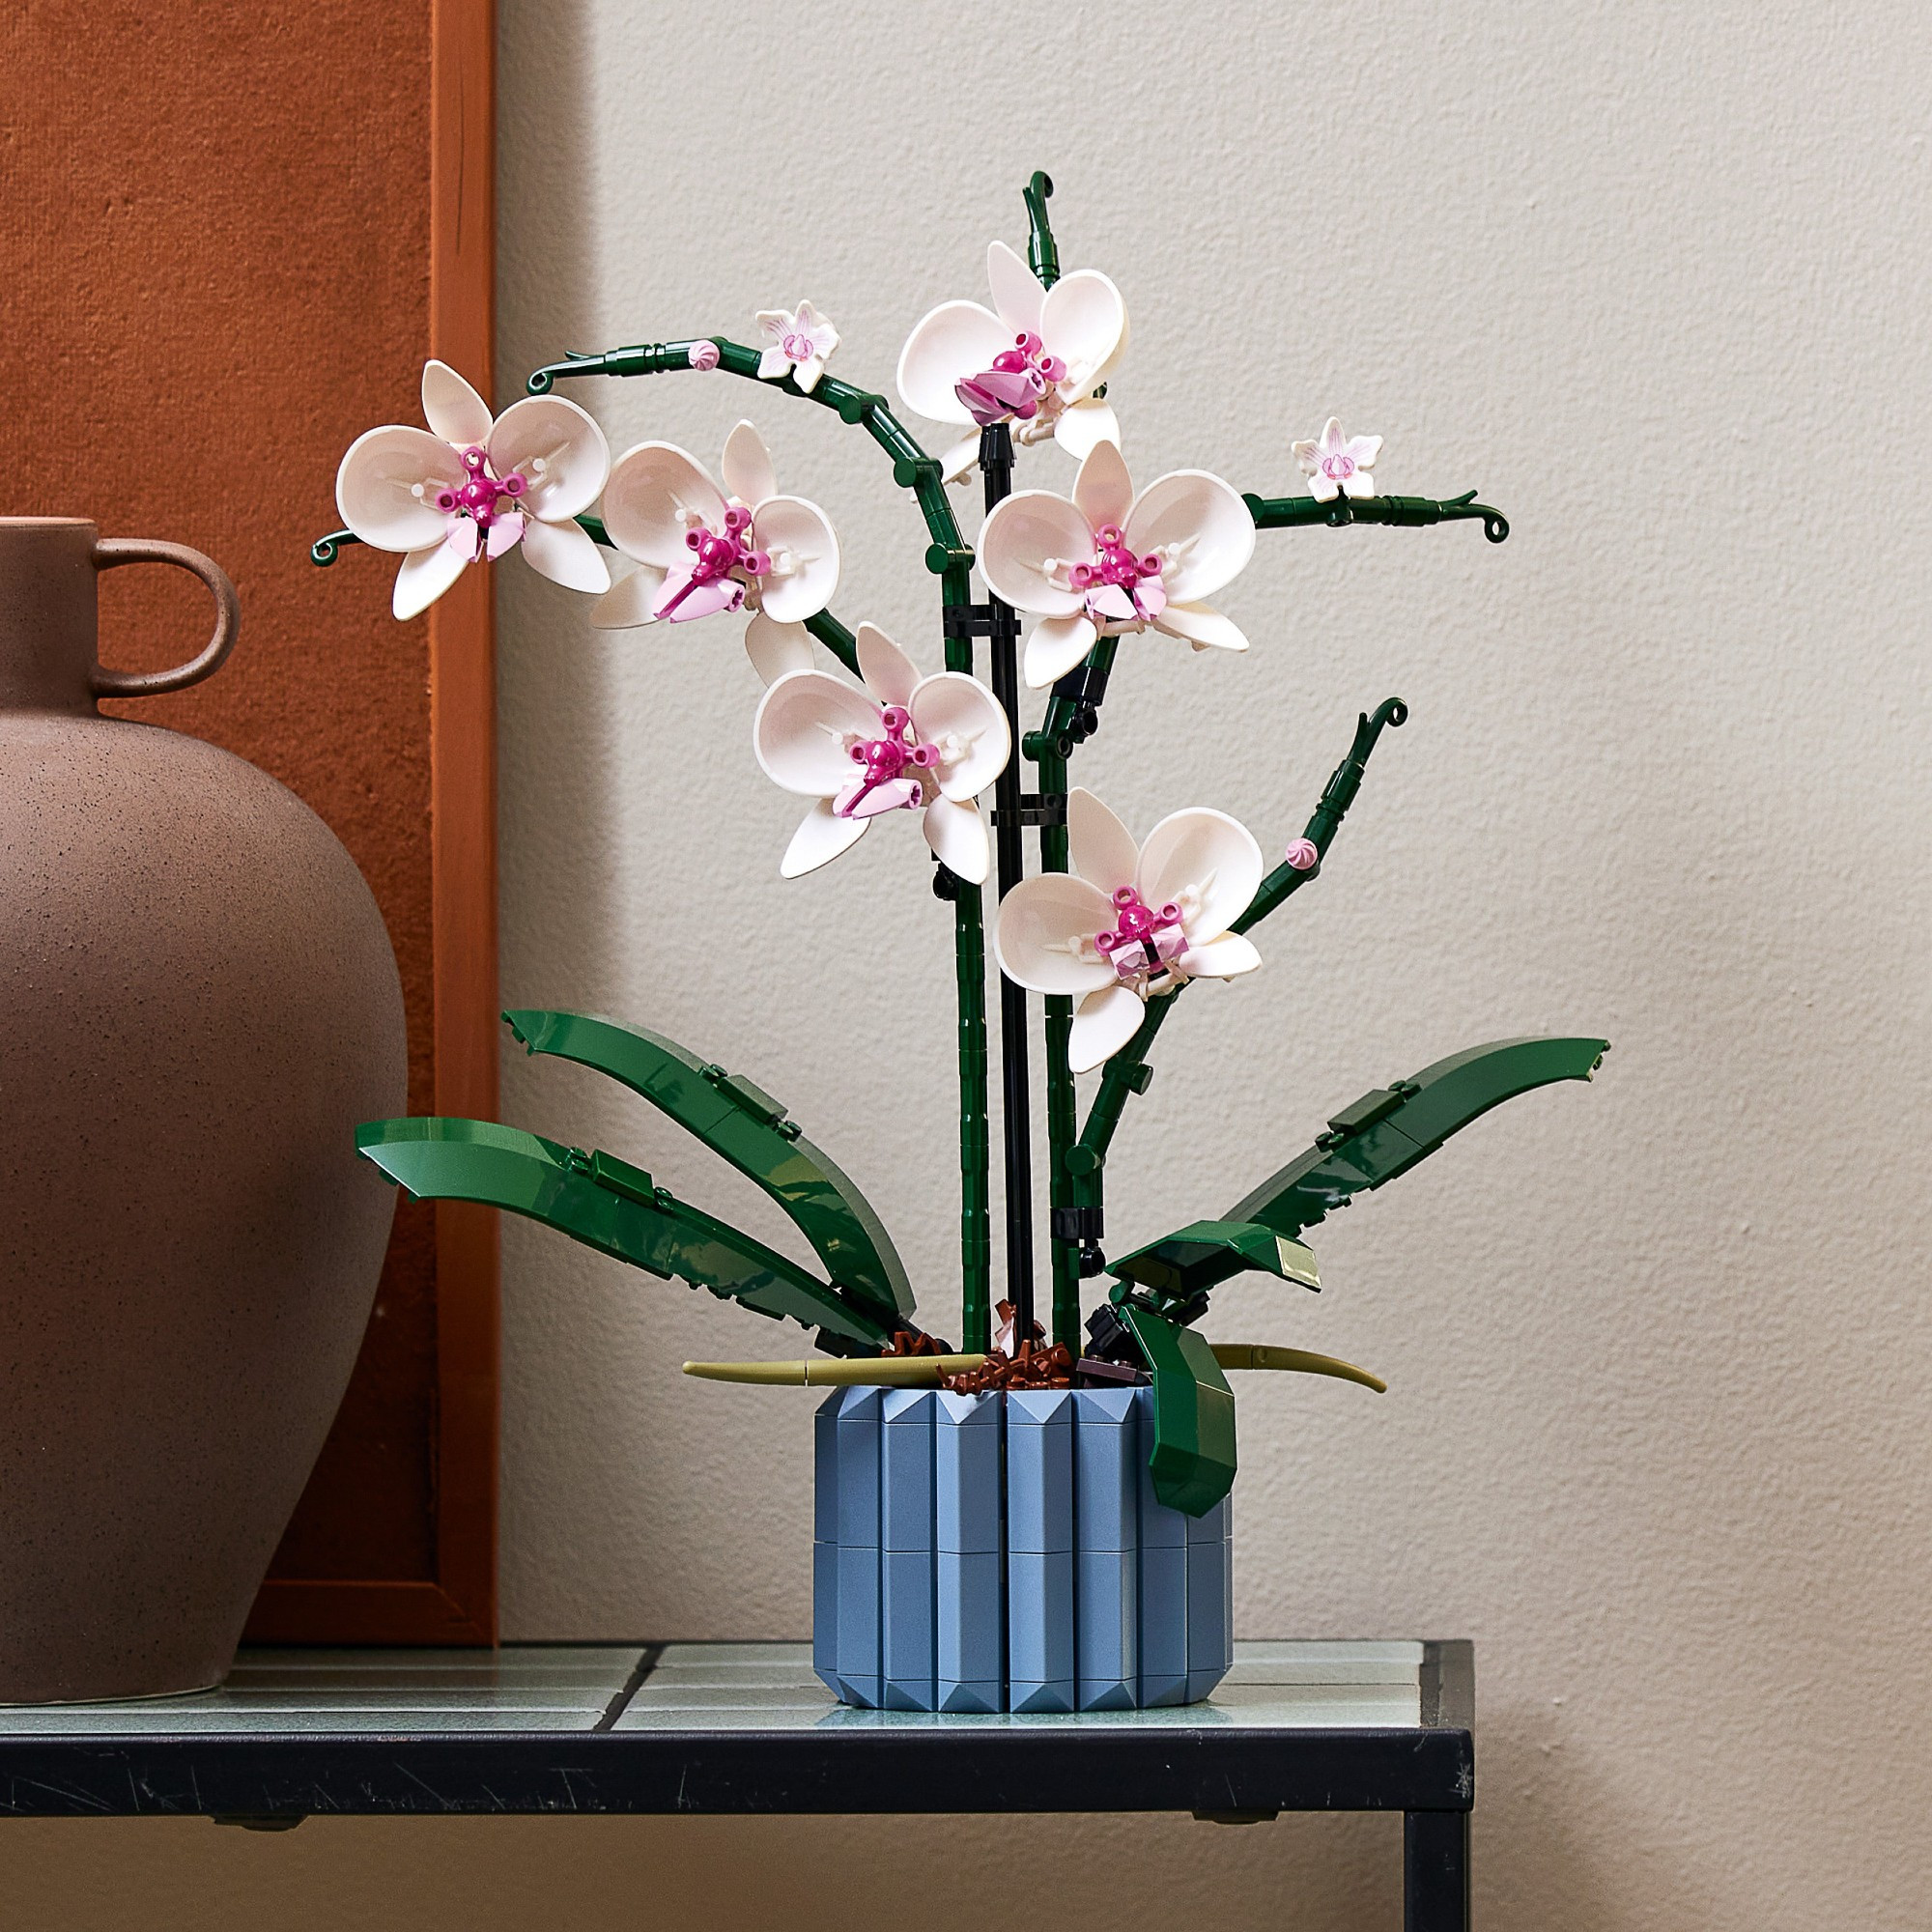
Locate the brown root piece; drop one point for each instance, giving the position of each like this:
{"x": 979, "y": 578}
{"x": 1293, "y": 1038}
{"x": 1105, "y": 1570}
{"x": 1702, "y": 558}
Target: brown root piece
{"x": 1032, "y": 1368}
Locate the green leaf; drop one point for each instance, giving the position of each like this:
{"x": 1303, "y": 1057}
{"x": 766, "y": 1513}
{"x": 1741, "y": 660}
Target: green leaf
{"x": 1199, "y": 1257}
{"x": 1193, "y": 1461}
{"x": 612, "y": 1206}
{"x": 1390, "y": 1128}
{"x": 749, "y": 1129}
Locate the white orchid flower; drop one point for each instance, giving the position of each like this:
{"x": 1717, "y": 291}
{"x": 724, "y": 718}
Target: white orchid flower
{"x": 1109, "y": 561}
{"x": 1336, "y": 464}
{"x": 1130, "y": 921}
{"x": 797, "y": 343}
{"x": 1036, "y": 363}
{"x": 471, "y": 486}
{"x": 700, "y": 549}
{"x": 904, "y": 742}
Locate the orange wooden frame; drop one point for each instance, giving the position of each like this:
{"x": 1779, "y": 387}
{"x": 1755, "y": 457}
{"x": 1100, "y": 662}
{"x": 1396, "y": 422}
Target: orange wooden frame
{"x": 457, "y": 1605}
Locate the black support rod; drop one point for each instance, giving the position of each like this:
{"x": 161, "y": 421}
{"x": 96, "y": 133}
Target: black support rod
{"x": 996, "y": 465}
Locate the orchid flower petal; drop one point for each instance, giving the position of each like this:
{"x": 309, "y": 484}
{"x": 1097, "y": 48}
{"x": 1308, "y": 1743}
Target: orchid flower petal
{"x": 958, "y": 339}
{"x": 1206, "y": 863}
{"x": 1201, "y": 627}
{"x": 1044, "y": 934}
{"x": 1358, "y": 484}
{"x": 1204, "y": 522}
{"x": 747, "y": 470}
{"x": 1018, "y": 293}
{"x": 803, "y": 531}
{"x": 631, "y": 601}
{"x": 1104, "y": 1023}
{"x": 966, "y": 721}
{"x": 1082, "y": 322}
{"x": 805, "y": 726}
{"x": 959, "y": 458}
{"x": 377, "y": 487}
{"x": 564, "y": 553}
{"x": 425, "y": 575}
{"x": 1055, "y": 646}
{"x": 560, "y": 452}
{"x": 451, "y": 408}
{"x": 1024, "y": 535}
{"x": 1223, "y": 958}
{"x": 891, "y": 676}
{"x": 1104, "y": 490}
{"x": 821, "y": 837}
{"x": 775, "y": 649}
{"x": 957, "y": 835}
{"x": 1102, "y": 851}
{"x": 656, "y": 494}
{"x": 1081, "y": 429}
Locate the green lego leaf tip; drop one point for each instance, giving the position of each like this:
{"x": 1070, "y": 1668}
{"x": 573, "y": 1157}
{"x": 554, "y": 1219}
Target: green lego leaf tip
{"x": 614, "y": 1207}
{"x": 1193, "y": 1459}
{"x": 746, "y": 1126}
{"x": 1199, "y": 1257}
{"x": 1390, "y": 1128}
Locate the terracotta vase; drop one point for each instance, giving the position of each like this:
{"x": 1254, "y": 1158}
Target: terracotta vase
{"x": 200, "y": 1003}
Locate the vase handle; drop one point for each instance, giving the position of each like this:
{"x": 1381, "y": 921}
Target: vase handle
{"x": 109, "y": 553}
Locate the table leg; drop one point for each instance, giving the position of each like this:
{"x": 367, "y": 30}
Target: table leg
{"x": 1436, "y": 1871}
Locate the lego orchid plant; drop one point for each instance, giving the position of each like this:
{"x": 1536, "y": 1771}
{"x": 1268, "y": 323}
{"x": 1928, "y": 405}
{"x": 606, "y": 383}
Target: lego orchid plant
{"x": 1121, "y": 927}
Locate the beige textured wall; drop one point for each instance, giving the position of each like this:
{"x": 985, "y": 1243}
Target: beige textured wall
{"x": 1656, "y": 279}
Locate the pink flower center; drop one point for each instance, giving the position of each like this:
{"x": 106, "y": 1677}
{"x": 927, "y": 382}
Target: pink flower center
{"x": 1016, "y": 385}
{"x": 883, "y": 783}
{"x": 797, "y": 347}
{"x": 1120, "y": 587}
{"x": 1337, "y": 469}
{"x": 720, "y": 560}
{"x": 1144, "y": 937}
{"x": 482, "y": 495}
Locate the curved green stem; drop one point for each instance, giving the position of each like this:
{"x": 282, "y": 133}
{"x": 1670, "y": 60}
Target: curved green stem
{"x": 324, "y": 548}
{"x": 912, "y": 467}
{"x": 1282, "y": 513}
{"x": 1042, "y": 255}
{"x": 1127, "y": 1072}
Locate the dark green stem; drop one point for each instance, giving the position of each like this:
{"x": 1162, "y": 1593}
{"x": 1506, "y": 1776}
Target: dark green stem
{"x": 1043, "y": 256}
{"x": 1282, "y": 513}
{"x": 1127, "y": 1072}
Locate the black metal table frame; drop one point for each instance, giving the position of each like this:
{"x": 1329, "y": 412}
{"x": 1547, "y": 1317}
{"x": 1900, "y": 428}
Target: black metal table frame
{"x": 1224, "y": 1773}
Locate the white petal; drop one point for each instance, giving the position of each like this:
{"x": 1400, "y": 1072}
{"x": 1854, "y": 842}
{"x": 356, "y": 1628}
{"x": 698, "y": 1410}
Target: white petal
{"x": 631, "y": 601}
{"x": 564, "y": 553}
{"x": 1362, "y": 451}
{"x": 1323, "y": 488}
{"x": 1333, "y": 442}
{"x": 1204, "y": 517}
{"x": 1103, "y": 1024}
{"x": 889, "y": 676}
{"x": 1359, "y": 484}
{"x": 1223, "y": 958}
{"x": 774, "y": 323}
{"x": 791, "y": 523}
{"x": 775, "y": 649}
{"x": 808, "y": 372}
{"x": 952, "y": 706}
{"x": 652, "y": 491}
{"x": 1083, "y": 428}
{"x": 566, "y": 441}
{"x": 959, "y": 458}
{"x": 451, "y": 408}
{"x": 957, "y": 835}
{"x": 956, "y": 340}
{"x": 1042, "y": 932}
{"x": 375, "y": 488}
{"x": 1082, "y": 322}
{"x": 1104, "y": 490}
{"x": 1018, "y": 293}
{"x": 822, "y": 836}
{"x": 1201, "y": 626}
{"x": 1017, "y": 541}
{"x": 1308, "y": 454}
{"x": 425, "y": 575}
{"x": 748, "y": 475}
{"x": 1207, "y": 861}
{"x": 1056, "y": 647}
{"x": 803, "y": 728}
{"x": 1103, "y": 851}
{"x": 773, "y": 365}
